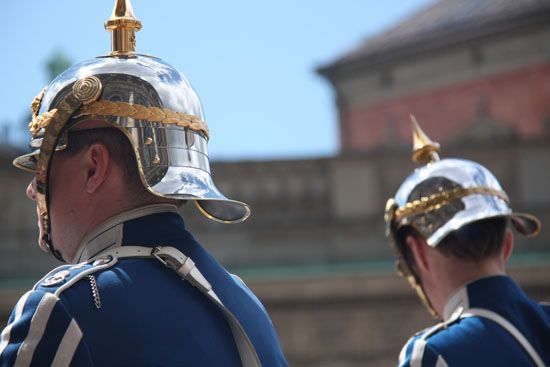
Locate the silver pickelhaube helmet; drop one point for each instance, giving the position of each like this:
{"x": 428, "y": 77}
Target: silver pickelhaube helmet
{"x": 152, "y": 103}
{"x": 441, "y": 197}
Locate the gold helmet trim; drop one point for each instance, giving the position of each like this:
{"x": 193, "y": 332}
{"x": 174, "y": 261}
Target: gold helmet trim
{"x": 59, "y": 118}
{"x": 403, "y": 268}
{"x": 135, "y": 111}
{"x": 428, "y": 203}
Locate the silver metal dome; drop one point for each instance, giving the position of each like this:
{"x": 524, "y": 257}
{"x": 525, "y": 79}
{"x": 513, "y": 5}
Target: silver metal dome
{"x": 451, "y": 193}
{"x": 153, "y": 104}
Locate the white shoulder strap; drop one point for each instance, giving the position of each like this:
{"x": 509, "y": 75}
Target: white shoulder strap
{"x": 507, "y": 325}
{"x": 185, "y": 267}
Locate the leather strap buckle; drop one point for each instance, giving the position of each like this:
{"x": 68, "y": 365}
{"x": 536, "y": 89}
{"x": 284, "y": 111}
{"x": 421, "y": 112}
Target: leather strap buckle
{"x": 165, "y": 258}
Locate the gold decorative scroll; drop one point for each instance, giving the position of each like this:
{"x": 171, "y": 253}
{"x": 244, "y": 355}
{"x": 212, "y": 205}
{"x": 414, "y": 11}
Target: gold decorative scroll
{"x": 438, "y": 200}
{"x": 41, "y": 121}
{"x": 36, "y": 102}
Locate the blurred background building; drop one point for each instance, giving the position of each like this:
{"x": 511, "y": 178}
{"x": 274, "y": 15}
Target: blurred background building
{"x": 477, "y": 76}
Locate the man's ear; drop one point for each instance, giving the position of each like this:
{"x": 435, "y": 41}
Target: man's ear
{"x": 418, "y": 248}
{"x": 97, "y": 160}
{"x": 508, "y": 244}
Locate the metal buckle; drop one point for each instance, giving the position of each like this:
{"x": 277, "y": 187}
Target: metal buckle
{"x": 166, "y": 259}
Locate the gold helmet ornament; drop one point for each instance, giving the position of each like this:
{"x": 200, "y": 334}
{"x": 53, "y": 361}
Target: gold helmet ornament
{"x": 151, "y": 103}
{"x": 442, "y": 196}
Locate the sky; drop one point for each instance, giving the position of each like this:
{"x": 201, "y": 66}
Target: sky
{"x": 253, "y": 63}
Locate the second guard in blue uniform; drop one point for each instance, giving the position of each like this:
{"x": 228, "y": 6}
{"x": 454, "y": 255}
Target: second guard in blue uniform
{"x": 488, "y": 322}
{"x": 448, "y": 228}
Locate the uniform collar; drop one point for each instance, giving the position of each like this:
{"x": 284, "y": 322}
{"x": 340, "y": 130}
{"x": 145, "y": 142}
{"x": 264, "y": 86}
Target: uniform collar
{"x": 487, "y": 292}
{"x": 109, "y": 233}
{"x": 458, "y": 302}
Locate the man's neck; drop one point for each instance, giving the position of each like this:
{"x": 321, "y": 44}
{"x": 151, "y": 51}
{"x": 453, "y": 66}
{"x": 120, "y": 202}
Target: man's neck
{"x": 453, "y": 275}
{"x": 108, "y": 233}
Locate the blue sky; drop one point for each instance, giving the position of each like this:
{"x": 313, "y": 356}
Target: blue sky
{"x": 252, "y": 62}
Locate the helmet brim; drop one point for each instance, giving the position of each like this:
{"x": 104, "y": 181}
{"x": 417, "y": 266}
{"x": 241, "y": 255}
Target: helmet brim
{"x": 26, "y": 162}
{"x": 224, "y": 211}
{"x": 526, "y": 224}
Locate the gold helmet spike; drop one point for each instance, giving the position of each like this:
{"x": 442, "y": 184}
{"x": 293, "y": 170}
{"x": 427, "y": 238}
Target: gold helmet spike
{"x": 123, "y": 26}
{"x": 424, "y": 150}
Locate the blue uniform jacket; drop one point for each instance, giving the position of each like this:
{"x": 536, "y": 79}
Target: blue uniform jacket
{"x": 479, "y": 341}
{"x": 139, "y": 313}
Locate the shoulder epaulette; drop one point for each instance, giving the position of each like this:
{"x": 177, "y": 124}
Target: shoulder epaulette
{"x": 443, "y": 325}
{"x": 64, "y": 276}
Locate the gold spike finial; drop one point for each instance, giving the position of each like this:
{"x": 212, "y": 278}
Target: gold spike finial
{"x": 424, "y": 150}
{"x": 123, "y": 26}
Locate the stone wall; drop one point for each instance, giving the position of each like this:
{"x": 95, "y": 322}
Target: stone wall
{"x": 331, "y": 210}
{"x": 319, "y": 211}
{"x": 314, "y": 249}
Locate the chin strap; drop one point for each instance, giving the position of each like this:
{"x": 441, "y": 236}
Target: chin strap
{"x": 84, "y": 91}
{"x": 404, "y": 269}
{"x": 47, "y": 238}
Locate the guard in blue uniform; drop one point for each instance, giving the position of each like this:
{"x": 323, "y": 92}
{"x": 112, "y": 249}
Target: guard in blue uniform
{"x": 113, "y": 310}
{"x": 120, "y": 142}
{"x": 448, "y": 228}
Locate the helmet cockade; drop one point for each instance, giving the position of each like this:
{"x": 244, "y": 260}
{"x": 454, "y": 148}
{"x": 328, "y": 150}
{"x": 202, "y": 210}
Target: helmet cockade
{"x": 150, "y": 102}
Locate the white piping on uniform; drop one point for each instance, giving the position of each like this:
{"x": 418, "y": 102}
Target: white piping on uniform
{"x": 418, "y": 353}
{"x": 83, "y": 274}
{"x": 68, "y": 345}
{"x": 403, "y": 353}
{"x": 507, "y": 325}
{"x": 458, "y": 299}
{"x": 5, "y": 339}
{"x": 441, "y": 362}
{"x": 36, "y": 330}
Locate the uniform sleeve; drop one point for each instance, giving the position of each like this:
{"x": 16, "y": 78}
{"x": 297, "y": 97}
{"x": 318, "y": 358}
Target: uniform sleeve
{"x": 40, "y": 332}
{"x": 418, "y": 353}
{"x": 249, "y": 292}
